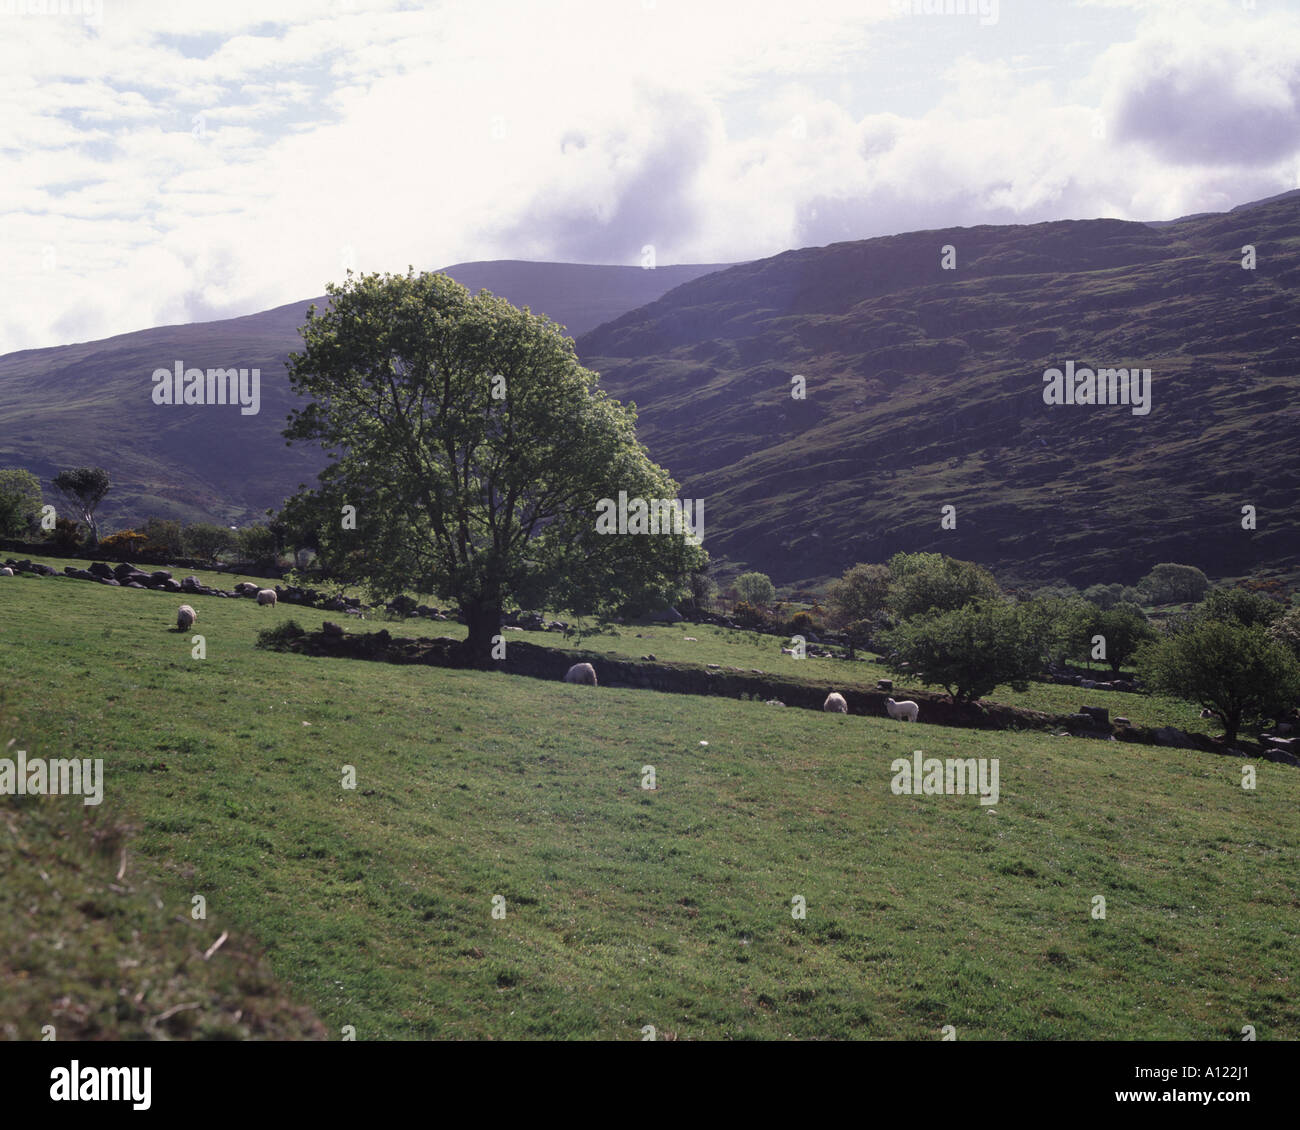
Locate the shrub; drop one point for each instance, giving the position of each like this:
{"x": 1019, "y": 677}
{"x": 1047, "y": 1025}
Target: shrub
{"x": 166, "y": 538}
{"x": 747, "y": 616}
{"x": 801, "y": 624}
{"x": 207, "y": 541}
{"x": 1169, "y": 583}
{"x": 276, "y": 638}
{"x": 20, "y": 503}
{"x": 125, "y": 545}
{"x": 1240, "y": 606}
{"x": 927, "y": 583}
{"x": 66, "y": 535}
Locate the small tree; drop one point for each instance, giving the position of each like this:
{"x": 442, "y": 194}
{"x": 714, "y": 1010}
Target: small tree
{"x": 1169, "y": 583}
{"x": 1123, "y": 628}
{"x": 257, "y": 544}
{"x": 166, "y": 538}
{"x": 756, "y": 589}
{"x": 66, "y": 535}
{"x": 20, "y": 502}
{"x": 1237, "y": 671}
{"x": 700, "y": 591}
{"x": 1286, "y": 630}
{"x": 84, "y": 489}
{"x": 206, "y": 541}
{"x": 970, "y": 650}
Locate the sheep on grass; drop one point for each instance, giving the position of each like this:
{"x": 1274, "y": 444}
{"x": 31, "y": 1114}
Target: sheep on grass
{"x": 907, "y": 710}
{"x": 583, "y": 673}
{"x": 835, "y": 704}
{"x": 185, "y": 617}
{"x": 266, "y": 596}
{"x": 6, "y": 572}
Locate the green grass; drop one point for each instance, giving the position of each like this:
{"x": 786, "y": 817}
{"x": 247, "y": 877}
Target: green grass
{"x": 627, "y": 907}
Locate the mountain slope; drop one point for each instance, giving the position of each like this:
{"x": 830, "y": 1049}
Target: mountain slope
{"x": 91, "y": 403}
{"x": 925, "y": 389}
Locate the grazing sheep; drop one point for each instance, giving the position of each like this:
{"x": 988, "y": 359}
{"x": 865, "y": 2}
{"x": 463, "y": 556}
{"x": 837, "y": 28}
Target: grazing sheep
{"x": 185, "y": 617}
{"x": 906, "y": 711}
{"x": 835, "y": 704}
{"x": 246, "y": 588}
{"x": 6, "y": 572}
{"x": 266, "y": 596}
{"x": 1207, "y": 713}
{"x": 788, "y": 651}
{"x": 583, "y": 673}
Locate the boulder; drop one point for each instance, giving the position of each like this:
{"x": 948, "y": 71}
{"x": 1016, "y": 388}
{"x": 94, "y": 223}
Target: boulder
{"x": 138, "y": 585}
{"x": 171, "y": 585}
{"x": 1099, "y": 714}
{"x": 665, "y": 616}
{"x": 160, "y": 575}
{"x": 1172, "y": 736}
{"x": 331, "y": 629}
{"x": 101, "y": 569}
{"x": 884, "y": 684}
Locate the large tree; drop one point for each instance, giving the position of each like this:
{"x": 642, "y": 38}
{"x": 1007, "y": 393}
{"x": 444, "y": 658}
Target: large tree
{"x": 84, "y": 489}
{"x": 926, "y": 583}
{"x": 471, "y": 456}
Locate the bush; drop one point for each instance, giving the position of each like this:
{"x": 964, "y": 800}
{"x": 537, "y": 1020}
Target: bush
{"x": 125, "y": 545}
{"x": 1174, "y": 584}
{"x": 858, "y": 595}
{"x": 1224, "y": 666}
{"x": 755, "y": 588}
{"x": 166, "y": 539}
{"x": 276, "y": 638}
{"x": 257, "y": 544}
{"x": 66, "y": 536}
{"x": 803, "y": 624}
{"x": 207, "y": 541}
{"x": 1286, "y": 631}
{"x": 970, "y": 650}
{"x": 1241, "y": 607}
{"x": 1103, "y": 596}
{"x": 20, "y": 503}
{"x": 928, "y": 583}
{"x": 747, "y": 616}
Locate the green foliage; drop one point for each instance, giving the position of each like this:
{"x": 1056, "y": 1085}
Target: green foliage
{"x": 257, "y": 544}
{"x": 859, "y": 595}
{"x": 755, "y": 588}
{"x": 1240, "y": 606}
{"x": 1169, "y": 583}
{"x": 1222, "y": 665}
{"x": 926, "y": 583}
{"x": 125, "y": 544}
{"x": 1124, "y": 627}
{"x": 275, "y": 637}
{"x": 750, "y": 616}
{"x": 1286, "y": 630}
{"x": 802, "y": 624}
{"x": 166, "y": 538}
{"x": 20, "y": 502}
{"x": 1104, "y": 596}
{"x": 84, "y": 489}
{"x": 66, "y": 535}
{"x": 476, "y": 489}
{"x": 207, "y": 541}
{"x": 972, "y": 649}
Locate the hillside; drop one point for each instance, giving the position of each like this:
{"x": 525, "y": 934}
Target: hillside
{"x": 90, "y": 403}
{"x": 925, "y": 388}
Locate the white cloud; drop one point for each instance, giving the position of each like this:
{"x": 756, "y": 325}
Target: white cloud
{"x": 195, "y": 161}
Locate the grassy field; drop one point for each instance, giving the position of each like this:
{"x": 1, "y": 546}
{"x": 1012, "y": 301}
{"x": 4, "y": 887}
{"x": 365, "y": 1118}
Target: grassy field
{"x": 624, "y": 907}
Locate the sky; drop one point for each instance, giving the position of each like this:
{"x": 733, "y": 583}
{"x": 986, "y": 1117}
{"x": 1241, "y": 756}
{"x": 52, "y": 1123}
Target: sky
{"x": 166, "y": 161}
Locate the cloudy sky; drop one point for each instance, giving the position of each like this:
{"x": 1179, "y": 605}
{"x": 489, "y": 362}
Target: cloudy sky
{"x": 169, "y": 161}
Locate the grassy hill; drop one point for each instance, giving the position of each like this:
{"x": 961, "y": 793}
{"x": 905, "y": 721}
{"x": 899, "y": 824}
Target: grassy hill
{"x": 627, "y": 907}
{"x": 90, "y": 403}
{"x": 924, "y": 388}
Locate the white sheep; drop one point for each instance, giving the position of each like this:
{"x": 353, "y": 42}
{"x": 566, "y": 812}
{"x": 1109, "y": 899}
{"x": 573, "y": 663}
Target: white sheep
{"x": 835, "y": 704}
{"x": 788, "y": 651}
{"x": 906, "y": 711}
{"x": 583, "y": 673}
{"x": 185, "y": 617}
{"x": 266, "y": 596}
{"x": 6, "y": 572}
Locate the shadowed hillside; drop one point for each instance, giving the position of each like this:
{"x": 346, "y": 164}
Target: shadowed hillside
{"x": 925, "y": 388}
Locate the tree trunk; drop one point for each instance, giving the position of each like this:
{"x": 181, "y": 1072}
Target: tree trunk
{"x": 1231, "y": 724}
{"x": 482, "y": 623}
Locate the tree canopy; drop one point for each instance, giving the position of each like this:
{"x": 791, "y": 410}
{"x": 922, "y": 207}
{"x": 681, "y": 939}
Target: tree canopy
{"x": 20, "y": 502}
{"x": 84, "y": 489}
{"x": 470, "y": 455}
